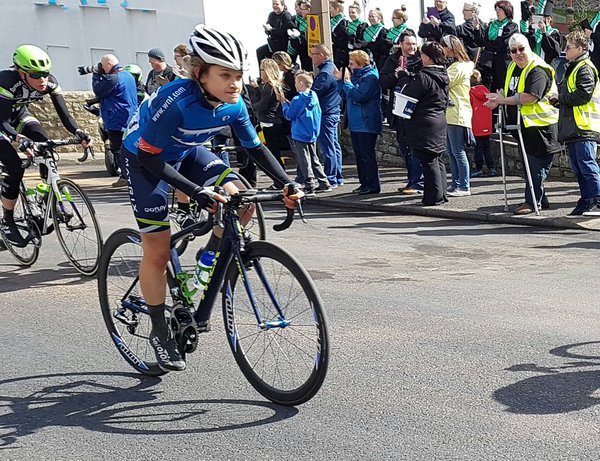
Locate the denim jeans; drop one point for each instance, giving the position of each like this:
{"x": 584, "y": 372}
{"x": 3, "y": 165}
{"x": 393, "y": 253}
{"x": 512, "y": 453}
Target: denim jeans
{"x": 414, "y": 170}
{"x": 582, "y": 157}
{"x": 539, "y": 166}
{"x": 459, "y": 163}
{"x": 330, "y": 148}
{"x": 366, "y": 161}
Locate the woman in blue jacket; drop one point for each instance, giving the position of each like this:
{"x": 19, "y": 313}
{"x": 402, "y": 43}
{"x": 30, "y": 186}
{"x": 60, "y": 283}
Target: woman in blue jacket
{"x": 363, "y": 109}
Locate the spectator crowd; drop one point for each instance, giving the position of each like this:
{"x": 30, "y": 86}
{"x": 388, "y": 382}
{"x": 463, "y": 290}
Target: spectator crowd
{"x": 440, "y": 97}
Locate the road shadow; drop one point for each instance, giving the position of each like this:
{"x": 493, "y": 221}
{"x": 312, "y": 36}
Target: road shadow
{"x": 121, "y": 403}
{"x": 16, "y": 278}
{"x": 555, "y": 389}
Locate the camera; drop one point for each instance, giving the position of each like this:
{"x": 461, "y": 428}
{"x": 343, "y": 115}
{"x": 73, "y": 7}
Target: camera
{"x": 527, "y": 11}
{"x": 82, "y": 70}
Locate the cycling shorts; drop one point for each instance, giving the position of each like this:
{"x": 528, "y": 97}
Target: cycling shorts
{"x": 149, "y": 194}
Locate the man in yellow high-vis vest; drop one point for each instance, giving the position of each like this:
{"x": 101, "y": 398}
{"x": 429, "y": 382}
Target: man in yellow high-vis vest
{"x": 579, "y": 122}
{"x": 529, "y": 83}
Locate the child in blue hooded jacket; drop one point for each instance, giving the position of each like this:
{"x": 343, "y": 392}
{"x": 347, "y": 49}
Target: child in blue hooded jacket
{"x": 304, "y": 113}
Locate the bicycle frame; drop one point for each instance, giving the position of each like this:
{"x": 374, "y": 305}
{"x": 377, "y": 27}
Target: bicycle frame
{"x": 52, "y": 179}
{"x": 230, "y": 247}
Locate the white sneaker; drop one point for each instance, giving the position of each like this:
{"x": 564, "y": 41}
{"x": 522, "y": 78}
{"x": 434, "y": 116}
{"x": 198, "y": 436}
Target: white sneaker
{"x": 459, "y": 193}
{"x": 594, "y": 212}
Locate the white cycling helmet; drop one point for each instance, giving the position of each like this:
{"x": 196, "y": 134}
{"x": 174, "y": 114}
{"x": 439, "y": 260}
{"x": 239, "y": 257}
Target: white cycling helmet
{"x": 220, "y": 48}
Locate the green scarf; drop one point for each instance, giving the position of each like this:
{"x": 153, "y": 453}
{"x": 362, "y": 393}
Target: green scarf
{"x": 495, "y": 27}
{"x": 395, "y": 32}
{"x": 352, "y": 26}
{"x": 335, "y": 20}
{"x": 372, "y": 32}
{"x": 595, "y": 21}
{"x": 300, "y": 23}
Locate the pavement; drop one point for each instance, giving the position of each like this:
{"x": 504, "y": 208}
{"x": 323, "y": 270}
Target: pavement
{"x": 485, "y": 204}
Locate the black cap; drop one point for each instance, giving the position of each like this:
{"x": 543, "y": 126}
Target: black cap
{"x": 545, "y": 7}
{"x": 157, "y": 53}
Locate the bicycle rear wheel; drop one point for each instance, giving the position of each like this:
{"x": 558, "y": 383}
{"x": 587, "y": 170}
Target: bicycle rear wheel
{"x": 76, "y": 227}
{"x": 28, "y": 228}
{"x": 284, "y": 358}
{"x": 123, "y": 308}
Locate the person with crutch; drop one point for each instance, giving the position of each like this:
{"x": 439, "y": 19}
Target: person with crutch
{"x": 531, "y": 119}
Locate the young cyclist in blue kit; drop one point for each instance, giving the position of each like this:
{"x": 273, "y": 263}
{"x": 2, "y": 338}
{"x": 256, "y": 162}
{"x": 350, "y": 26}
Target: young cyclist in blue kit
{"x": 162, "y": 147}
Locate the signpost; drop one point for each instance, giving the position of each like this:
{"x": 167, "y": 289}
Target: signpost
{"x": 318, "y": 29}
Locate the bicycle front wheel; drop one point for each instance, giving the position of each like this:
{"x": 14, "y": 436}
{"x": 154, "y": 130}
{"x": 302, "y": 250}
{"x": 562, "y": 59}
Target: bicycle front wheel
{"x": 76, "y": 227}
{"x": 29, "y": 230}
{"x": 123, "y": 307}
{"x": 284, "y": 354}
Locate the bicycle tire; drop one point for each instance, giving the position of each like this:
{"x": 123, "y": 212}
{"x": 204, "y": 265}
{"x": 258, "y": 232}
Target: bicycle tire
{"x": 86, "y": 240}
{"x": 302, "y": 307}
{"x": 28, "y": 255}
{"x": 118, "y": 275}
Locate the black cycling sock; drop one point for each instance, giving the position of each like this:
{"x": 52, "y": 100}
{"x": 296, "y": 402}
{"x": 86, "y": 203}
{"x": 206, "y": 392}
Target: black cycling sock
{"x": 183, "y": 206}
{"x": 213, "y": 243}
{"x": 8, "y": 215}
{"x": 159, "y": 323}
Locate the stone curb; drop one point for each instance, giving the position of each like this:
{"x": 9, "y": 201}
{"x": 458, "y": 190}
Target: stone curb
{"x": 499, "y": 218}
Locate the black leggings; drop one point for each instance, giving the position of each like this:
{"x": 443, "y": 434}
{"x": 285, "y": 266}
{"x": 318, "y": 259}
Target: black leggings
{"x": 115, "y": 138}
{"x": 11, "y": 161}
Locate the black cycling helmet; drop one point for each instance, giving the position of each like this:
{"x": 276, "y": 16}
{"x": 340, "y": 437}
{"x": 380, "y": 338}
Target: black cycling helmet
{"x": 221, "y": 48}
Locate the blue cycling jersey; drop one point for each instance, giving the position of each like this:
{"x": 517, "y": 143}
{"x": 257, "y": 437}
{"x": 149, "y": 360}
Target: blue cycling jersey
{"x": 177, "y": 117}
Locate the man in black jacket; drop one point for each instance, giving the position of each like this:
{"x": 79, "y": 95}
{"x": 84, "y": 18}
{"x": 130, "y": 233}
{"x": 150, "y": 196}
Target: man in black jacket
{"x": 579, "y": 122}
{"x": 393, "y": 76}
{"x": 432, "y": 28}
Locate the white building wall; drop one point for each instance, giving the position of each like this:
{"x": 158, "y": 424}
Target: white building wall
{"x": 79, "y": 32}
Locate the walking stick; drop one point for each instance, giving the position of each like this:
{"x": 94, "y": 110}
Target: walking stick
{"x": 499, "y": 127}
{"x": 526, "y": 161}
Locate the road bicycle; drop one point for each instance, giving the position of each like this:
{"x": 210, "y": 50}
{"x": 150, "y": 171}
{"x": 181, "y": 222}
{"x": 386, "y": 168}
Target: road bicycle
{"x": 273, "y": 314}
{"x": 55, "y": 204}
{"x": 256, "y": 226}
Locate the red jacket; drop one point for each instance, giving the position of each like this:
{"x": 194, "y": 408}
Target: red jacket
{"x": 482, "y": 116}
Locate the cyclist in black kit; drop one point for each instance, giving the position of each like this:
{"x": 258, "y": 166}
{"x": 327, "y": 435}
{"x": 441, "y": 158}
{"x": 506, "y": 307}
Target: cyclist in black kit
{"x": 27, "y": 81}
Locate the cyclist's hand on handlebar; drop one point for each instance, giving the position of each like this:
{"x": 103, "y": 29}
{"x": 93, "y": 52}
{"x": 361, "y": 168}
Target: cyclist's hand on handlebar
{"x": 207, "y": 199}
{"x": 86, "y": 140}
{"x": 291, "y": 194}
{"x": 25, "y": 145}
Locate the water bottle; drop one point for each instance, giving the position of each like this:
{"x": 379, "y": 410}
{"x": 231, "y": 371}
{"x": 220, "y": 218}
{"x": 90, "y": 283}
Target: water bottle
{"x": 31, "y": 195}
{"x": 43, "y": 190}
{"x": 203, "y": 269}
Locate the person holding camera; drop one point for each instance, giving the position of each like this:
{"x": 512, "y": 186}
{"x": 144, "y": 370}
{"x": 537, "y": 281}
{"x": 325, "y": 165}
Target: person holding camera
{"x": 543, "y": 38}
{"x": 116, "y": 91}
{"x": 29, "y": 80}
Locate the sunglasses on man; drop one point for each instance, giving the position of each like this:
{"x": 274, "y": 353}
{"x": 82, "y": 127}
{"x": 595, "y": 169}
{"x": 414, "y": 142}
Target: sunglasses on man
{"x": 38, "y": 75}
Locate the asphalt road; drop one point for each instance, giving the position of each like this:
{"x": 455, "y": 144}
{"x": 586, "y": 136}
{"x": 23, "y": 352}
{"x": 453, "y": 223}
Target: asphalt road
{"x": 450, "y": 340}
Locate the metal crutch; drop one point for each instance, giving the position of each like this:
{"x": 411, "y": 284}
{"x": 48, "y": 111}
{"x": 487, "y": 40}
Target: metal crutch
{"x": 499, "y": 126}
{"x": 526, "y": 161}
